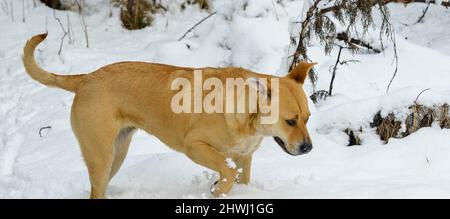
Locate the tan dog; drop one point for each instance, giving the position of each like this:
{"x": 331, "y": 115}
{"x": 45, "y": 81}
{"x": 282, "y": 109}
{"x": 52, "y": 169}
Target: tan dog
{"x": 115, "y": 100}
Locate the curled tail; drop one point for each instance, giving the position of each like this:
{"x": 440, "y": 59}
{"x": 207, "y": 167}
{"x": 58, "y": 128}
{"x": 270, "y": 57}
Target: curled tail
{"x": 66, "y": 82}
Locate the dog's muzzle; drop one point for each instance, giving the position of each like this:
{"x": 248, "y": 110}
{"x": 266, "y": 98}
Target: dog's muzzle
{"x": 304, "y": 148}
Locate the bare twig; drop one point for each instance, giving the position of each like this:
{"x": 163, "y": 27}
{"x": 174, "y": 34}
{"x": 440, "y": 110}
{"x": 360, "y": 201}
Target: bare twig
{"x": 83, "y": 22}
{"x": 391, "y": 33}
{"x": 275, "y": 10}
{"x": 417, "y": 98}
{"x": 43, "y": 128}
{"x": 70, "y": 30}
{"x": 28, "y": 6}
{"x": 424, "y": 12}
{"x": 330, "y": 90}
{"x": 346, "y": 62}
{"x": 395, "y": 71}
{"x": 355, "y": 42}
{"x": 63, "y": 29}
{"x": 110, "y": 13}
{"x": 5, "y": 7}
{"x": 198, "y": 23}
{"x": 23, "y": 11}
{"x": 12, "y": 10}
{"x": 46, "y": 24}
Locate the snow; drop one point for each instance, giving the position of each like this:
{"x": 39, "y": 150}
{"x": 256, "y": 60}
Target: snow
{"x": 230, "y": 163}
{"x": 51, "y": 166}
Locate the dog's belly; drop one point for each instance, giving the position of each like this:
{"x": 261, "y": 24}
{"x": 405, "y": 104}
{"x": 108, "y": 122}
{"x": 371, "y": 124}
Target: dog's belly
{"x": 169, "y": 139}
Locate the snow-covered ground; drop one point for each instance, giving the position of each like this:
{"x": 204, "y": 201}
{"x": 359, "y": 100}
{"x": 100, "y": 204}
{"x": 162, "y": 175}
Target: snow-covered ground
{"x": 51, "y": 166}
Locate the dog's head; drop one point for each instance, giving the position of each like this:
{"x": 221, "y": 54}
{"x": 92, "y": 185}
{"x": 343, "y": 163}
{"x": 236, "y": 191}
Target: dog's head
{"x": 289, "y": 130}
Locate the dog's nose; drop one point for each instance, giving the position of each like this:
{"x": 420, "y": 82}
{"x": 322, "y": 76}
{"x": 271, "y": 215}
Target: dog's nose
{"x": 305, "y": 147}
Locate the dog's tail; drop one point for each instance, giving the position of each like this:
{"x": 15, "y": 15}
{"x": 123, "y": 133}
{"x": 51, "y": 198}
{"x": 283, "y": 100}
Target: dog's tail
{"x": 66, "y": 82}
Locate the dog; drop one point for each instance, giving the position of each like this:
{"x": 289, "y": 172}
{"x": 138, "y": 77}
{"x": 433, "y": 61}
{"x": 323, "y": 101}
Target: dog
{"x": 112, "y": 102}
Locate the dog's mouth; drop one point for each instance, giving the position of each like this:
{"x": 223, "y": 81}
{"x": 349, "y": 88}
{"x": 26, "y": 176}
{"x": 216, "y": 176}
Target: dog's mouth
{"x": 282, "y": 144}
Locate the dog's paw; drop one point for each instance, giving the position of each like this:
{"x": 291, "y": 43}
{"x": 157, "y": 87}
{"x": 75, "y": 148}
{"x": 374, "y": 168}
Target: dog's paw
{"x": 221, "y": 187}
{"x": 242, "y": 178}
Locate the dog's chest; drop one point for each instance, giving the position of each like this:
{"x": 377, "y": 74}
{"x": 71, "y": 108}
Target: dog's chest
{"x": 246, "y": 145}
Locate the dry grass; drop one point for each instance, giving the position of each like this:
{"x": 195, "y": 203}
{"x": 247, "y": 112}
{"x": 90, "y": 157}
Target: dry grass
{"x": 387, "y": 127}
{"x": 318, "y": 96}
{"x": 353, "y": 137}
{"x": 202, "y": 4}
{"x": 136, "y": 14}
{"x": 444, "y": 117}
{"x": 421, "y": 116}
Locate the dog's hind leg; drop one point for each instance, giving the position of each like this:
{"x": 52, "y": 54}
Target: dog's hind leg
{"x": 96, "y": 130}
{"x": 121, "y": 146}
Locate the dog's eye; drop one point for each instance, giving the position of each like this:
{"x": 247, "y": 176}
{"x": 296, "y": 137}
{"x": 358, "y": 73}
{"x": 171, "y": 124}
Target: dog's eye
{"x": 291, "y": 122}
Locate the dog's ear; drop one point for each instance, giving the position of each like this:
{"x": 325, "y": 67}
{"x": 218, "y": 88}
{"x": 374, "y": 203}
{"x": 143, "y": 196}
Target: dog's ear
{"x": 300, "y": 71}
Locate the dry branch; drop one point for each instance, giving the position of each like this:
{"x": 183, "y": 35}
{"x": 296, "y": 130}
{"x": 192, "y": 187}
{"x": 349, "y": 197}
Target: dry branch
{"x": 12, "y": 11}
{"x": 198, "y": 23}
{"x": 64, "y": 31}
{"x": 70, "y": 30}
{"x": 355, "y": 42}
{"x": 424, "y": 12}
{"x": 5, "y": 7}
{"x": 390, "y": 32}
{"x": 23, "y": 11}
{"x": 43, "y": 128}
{"x": 417, "y": 98}
{"x": 83, "y": 22}
{"x": 330, "y": 90}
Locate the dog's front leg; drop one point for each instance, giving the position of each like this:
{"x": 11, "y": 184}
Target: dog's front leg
{"x": 205, "y": 155}
{"x": 244, "y": 164}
